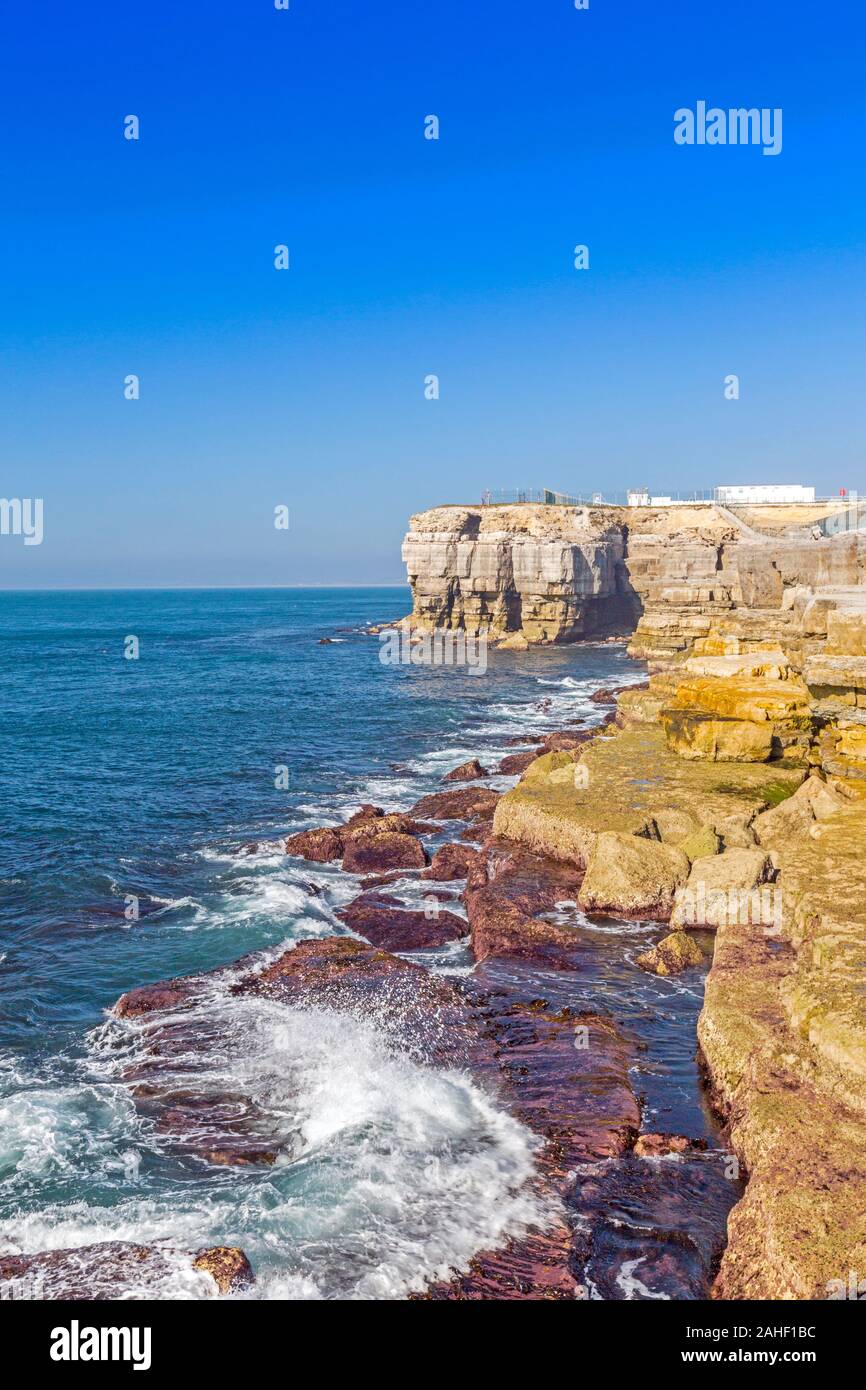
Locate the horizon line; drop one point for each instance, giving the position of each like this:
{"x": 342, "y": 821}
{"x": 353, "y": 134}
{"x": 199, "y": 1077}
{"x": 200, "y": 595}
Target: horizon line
{"x": 186, "y": 588}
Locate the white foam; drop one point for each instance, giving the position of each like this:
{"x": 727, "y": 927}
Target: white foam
{"x": 401, "y": 1172}
{"x": 632, "y": 1286}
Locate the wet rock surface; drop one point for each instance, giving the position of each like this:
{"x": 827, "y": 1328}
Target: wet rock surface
{"x": 121, "y": 1269}
{"x": 465, "y": 803}
{"x": 451, "y": 862}
{"x": 384, "y": 922}
{"x": 505, "y": 895}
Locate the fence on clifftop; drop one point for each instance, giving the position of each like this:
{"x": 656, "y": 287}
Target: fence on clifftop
{"x": 498, "y": 497}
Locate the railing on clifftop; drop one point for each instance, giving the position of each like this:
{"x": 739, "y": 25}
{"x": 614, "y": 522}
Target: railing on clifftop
{"x": 498, "y": 497}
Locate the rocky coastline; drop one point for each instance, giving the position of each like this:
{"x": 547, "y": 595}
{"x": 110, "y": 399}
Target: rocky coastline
{"x": 756, "y": 644}
{"x": 721, "y": 804}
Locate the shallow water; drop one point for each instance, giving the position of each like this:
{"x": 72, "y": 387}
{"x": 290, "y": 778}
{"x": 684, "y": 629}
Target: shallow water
{"x": 145, "y": 780}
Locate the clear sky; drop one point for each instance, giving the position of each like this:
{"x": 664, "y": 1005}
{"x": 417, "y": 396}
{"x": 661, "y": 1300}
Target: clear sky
{"x": 411, "y": 257}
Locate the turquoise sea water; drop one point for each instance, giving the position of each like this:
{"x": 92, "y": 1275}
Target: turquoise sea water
{"x": 142, "y": 781}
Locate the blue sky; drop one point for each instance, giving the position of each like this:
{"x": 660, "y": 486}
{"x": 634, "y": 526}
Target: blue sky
{"x": 411, "y": 257}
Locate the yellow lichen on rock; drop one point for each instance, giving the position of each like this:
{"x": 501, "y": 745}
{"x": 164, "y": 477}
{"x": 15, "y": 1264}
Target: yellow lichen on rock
{"x": 672, "y": 955}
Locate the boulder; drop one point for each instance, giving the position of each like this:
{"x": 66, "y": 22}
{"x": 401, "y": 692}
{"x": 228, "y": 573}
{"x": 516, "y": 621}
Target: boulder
{"x": 380, "y": 853}
{"x": 466, "y": 772}
{"x": 672, "y": 955}
{"x": 450, "y": 862}
{"x": 701, "y": 843}
{"x": 693, "y": 734}
{"x": 726, "y": 887}
{"x": 794, "y": 817}
{"x": 674, "y": 824}
{"x": 323, "y": 846}
{"x": 227, "y": 1266}
{"x": 631, "y": 876}
{"x": 736, "y": 830}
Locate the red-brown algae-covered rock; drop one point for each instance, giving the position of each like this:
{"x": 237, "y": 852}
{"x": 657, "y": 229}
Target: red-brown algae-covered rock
{"x": 171, "y": 994}
{"x": 450, "y": 862}
{"x": 323, "y": 845}
{"x": 380, "y": 853}
{"x": 499, "y": 928}
{"x": 385, "y": 922}
{"x": 566, "y": 740}
{"x": 567, "y": 1078}
{"x": 466, "y": 772}
{"x": 531, "y": 1268}
{"x": 564, "y": 1074}
{"x": 463, "y": 803}
{"x": 395, "y": 822}
{"x": 478, "y": 832}
{"x": 506, "y": 892}
{"x": 365, "y": 812}
{"x": 515, "y": 763}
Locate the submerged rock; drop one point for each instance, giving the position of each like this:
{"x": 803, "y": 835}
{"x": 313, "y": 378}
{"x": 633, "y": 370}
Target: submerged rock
{"x": 658, "y": 1145}
{"x": 118, "y": 1270}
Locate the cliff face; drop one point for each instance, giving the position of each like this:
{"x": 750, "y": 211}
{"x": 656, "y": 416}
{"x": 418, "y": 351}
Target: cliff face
{"x": 669, "y": 575}
{"x": 551, "y": 574}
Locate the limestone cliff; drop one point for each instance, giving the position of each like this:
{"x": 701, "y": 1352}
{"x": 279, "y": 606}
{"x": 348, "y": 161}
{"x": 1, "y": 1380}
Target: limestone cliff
{"x": 673, "y": 574}
{"x": 549, "y": 573}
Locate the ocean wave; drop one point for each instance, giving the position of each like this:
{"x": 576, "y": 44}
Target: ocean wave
{"x": 401, "y": 1173}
